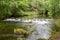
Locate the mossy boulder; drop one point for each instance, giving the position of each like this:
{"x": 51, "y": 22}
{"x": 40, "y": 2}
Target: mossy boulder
{"x": 20, "y": 31}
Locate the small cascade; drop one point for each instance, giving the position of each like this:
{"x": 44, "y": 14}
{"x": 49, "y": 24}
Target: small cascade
{"x": 42, "y": 27}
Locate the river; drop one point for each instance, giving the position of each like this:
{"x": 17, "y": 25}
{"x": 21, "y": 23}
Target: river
{"x": 41, "y": 28}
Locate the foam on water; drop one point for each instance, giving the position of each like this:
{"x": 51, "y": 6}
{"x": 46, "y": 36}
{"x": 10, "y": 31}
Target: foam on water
{"x": 43, "y": 27}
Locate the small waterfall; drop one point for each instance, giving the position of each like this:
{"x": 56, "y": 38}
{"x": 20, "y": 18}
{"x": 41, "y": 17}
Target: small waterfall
{"x": 42, "y": 30}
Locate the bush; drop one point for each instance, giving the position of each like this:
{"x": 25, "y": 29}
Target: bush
{"x": 10, "y": 8}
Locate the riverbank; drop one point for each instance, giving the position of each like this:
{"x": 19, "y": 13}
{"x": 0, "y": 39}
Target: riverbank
{"x": 56, "y": 30}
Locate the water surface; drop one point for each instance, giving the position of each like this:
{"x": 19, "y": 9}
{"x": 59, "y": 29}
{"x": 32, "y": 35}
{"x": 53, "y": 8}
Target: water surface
{"x": 39, "y": 28}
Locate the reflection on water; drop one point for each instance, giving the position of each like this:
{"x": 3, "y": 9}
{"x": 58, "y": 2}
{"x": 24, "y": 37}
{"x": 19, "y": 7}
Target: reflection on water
{"x": 39, "y": 28}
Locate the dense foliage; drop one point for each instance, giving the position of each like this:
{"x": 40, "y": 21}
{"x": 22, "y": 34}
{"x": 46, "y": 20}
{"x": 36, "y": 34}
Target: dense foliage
{"x": 17, "y": 8}
{"x": 10, "y": 8}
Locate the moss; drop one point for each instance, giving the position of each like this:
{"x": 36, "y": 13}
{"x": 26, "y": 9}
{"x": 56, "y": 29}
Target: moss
{"x": 55, "y": 30}
{"x": 6, "y": 28}
{"x": 8, "y": 38}
{"x": 21, "y": 31}
{"x": 41, "y": 39}
{"x": 21, "y": 38}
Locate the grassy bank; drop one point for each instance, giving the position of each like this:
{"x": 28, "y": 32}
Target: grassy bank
{"x": 56, "y": 30}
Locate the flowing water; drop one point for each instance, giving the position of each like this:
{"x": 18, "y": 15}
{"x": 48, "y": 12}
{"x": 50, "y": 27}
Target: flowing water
{"x": 41, "y": 28}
